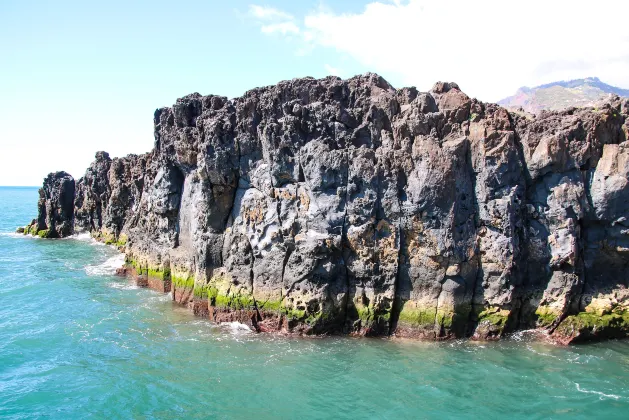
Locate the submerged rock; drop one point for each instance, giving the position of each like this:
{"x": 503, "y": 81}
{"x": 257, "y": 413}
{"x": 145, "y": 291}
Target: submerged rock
{"x": 347, "y": 206}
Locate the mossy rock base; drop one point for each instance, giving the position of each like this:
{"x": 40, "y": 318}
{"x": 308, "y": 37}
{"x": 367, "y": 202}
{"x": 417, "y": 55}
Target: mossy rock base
{"x": 432, "y": 323}
{"x": 491, "y": 323}
{"x": 368, "y": 320}
{"x": 546, "y": 317}
{"x": 416, "y": 322}
{"x": 248, "y": 317}
{"x": 32, "y": 230}
{"x": 46, "y": 233}
{"x": 182, "y": 294}
{"x": 159, "y": 284}
{"x": 418, "y": 318}
{"x": 587, "y": 326}
{"x": 201, "y": 308}
{"x": 109, "y": 238}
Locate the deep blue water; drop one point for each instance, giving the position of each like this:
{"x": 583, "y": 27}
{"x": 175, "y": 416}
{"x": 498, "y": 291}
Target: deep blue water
{"x": 77, "y": 342}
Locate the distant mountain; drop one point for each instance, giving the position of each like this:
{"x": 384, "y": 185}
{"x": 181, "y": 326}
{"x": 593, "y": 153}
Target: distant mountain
{"x": 561, "y": 95}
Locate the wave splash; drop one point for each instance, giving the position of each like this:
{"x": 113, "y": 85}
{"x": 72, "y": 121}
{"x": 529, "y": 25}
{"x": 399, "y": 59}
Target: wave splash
{"x": 107, "y": 268}
{"x": 85, "y": 236}
{"x": 236, "y": 327}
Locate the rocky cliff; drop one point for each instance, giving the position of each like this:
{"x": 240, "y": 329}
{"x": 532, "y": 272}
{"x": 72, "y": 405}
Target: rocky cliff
{"x": 347, "y": 206}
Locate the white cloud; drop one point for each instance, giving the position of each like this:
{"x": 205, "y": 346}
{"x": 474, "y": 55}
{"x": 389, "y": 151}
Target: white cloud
{"x": 332, "y": 70}
{"x": 268, "y": 13}
{"x": 274, "y": 21}
{"x": 282, "y": 28}
{"x": 489, "y": 47}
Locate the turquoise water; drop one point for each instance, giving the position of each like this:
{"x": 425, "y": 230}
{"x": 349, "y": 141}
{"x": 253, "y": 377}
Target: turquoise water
{"x": 77, "y": 342}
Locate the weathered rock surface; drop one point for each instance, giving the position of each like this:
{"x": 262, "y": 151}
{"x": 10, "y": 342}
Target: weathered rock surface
{"x": 347, "y": 206}
{"x": 55, "y": 208}
{"x": 107, "y": 196}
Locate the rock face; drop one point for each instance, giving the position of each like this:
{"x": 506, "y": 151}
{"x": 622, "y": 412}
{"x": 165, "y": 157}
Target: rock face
{"x": 55, "y": 207}
{"x": 108, "y": 195}
{"x": 347, "y": 206}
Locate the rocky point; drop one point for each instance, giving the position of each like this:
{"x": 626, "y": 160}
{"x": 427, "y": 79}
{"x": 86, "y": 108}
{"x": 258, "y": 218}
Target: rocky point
{"x": 347, "y": 206}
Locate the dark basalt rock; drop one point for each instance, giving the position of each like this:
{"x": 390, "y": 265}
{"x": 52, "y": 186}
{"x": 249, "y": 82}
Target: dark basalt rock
{"x": 55, "y": 208}
{"x": 92, "y": 192}
{"x": 327, "y": 206}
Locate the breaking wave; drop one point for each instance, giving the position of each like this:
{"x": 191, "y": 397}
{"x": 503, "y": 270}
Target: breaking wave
{"x": 85, "y": 236}
{"x": 236, "y": 327}
{"x": 107, "y": 268}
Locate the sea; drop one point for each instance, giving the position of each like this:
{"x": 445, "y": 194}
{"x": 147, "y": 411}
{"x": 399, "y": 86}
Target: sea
{"x": 78, "y": 342}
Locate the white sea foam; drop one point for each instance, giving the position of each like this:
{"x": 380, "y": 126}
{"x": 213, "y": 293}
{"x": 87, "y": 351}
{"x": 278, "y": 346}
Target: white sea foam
{"x": 600, "y": 394}
{"x": 530, "y": 334}
{"x": 85, "y": 236}
{"x": 160, "y": 297}
{"x": 107, "y": 268}
{"x": 236, "y": 327}
{"x": 123, "y": 286}
{"x": 14, "y": 235}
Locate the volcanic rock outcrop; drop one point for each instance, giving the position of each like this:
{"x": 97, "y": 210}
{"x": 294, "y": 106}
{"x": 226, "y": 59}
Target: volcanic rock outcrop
{"x": 55, "y": 208}
{"x": 347, "y": 206}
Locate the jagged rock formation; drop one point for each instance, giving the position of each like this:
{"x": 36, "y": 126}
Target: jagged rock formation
{"x": 321, "y": 206}
{"x": 55, "y": 208}
{"x": 108, "y": 195}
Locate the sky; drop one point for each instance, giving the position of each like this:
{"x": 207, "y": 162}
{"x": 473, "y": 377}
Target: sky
{"x": 77, "y": 77}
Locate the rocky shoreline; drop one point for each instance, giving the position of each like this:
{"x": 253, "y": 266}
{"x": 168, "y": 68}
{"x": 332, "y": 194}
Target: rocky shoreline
{"x": 347, "y": 206}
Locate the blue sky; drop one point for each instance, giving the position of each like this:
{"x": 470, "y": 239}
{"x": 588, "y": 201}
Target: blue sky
{"x": 77, "y": 76}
